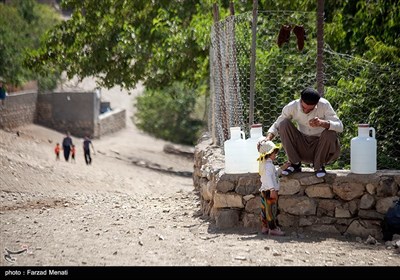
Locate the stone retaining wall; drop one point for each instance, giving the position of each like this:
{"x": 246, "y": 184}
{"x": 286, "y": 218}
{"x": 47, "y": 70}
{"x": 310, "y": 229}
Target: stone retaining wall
{"x": 340, "y": 203}
{"x": 76, "y": 112}
{"x": 112, "y": 121}
{"x": 20, "y": 109}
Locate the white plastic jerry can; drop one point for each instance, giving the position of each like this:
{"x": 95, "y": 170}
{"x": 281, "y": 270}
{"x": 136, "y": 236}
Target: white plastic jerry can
{"x": 363, "y": 151}
{"x": 235, "y": 152}
{"x": 256, "y": 135}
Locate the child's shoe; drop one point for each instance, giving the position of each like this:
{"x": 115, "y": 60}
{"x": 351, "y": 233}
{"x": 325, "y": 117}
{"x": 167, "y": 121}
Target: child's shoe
{"x": 276, "y": 232}
{"x": 264, "y": 230}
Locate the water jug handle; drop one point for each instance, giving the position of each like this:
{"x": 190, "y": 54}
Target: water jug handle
{"x": 373, "y": 131}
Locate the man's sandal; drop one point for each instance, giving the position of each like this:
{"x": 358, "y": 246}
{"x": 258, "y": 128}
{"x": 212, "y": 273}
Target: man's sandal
{"x": 294, "y": 168}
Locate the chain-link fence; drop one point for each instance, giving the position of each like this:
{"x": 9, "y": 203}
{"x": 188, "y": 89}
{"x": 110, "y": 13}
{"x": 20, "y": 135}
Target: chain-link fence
{"x": 359, "y": 91}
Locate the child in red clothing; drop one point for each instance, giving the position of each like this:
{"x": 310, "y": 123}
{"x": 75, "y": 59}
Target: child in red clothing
{"x": 73, "y": 150}
{"x": 57, "y": 150}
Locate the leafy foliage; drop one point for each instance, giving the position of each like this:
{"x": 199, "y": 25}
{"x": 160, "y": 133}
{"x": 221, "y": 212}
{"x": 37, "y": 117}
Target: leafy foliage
{"x": 13, "y": 41}
{"x": 22, "y": 23}
{"x": 123, "y": 42}
{"x": 351, "y": 25}
{"x": 168, "y": 114}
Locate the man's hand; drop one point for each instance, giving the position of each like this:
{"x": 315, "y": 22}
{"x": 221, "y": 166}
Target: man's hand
{"x": 314, "y": 122}
{"x": 317, "y": 122}
{"x": 269, "y": 137}
{"x": 259, "y": 144}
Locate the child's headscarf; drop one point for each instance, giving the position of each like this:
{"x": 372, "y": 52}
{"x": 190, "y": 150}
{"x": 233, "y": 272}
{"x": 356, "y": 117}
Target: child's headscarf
{"x": 265, "y": 150}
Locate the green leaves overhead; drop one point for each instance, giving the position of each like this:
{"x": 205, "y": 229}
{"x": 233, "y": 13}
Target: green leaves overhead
{"x": 123, "y": 42}
{"x": 22, "y": 23}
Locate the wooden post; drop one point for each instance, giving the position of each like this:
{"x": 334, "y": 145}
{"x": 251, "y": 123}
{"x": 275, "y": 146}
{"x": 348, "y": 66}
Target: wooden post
{"x": 320, "y": 47}
{"x": 253, "y": 63}
{"x": 220, "y": 74}
{"x": 233, "y": 67}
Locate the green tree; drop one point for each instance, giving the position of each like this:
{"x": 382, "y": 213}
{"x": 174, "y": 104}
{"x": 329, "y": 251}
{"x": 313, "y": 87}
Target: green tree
{"x": 13, "y": 40}
{"x": 123, "y": 42}
{"x": 370, "y": 29}
{"x": 168, "y": 114}
{"x": 22, "y": 23}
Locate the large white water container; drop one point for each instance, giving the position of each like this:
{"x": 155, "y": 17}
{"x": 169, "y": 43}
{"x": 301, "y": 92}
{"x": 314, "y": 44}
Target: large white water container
{"x": 363, "y": 151}
{"x": 235, "y": 152}
{"x": 252, "y": 154}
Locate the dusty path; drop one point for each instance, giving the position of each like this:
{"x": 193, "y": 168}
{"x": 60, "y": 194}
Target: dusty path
{"x": 115, "y": 213}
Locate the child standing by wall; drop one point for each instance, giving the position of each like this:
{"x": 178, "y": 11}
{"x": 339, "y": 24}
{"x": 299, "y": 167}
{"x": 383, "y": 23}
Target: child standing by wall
{"x": 57, "y": 150}
{"x": 269, "y": 187}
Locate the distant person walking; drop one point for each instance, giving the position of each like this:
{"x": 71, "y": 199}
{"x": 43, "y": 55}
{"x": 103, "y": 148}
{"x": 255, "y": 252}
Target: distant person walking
{"x": 3, "y": 93}
{"x": 67, "y": 144}
{"x": 86, "y": 150}
{"x": 57, "y": 150}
